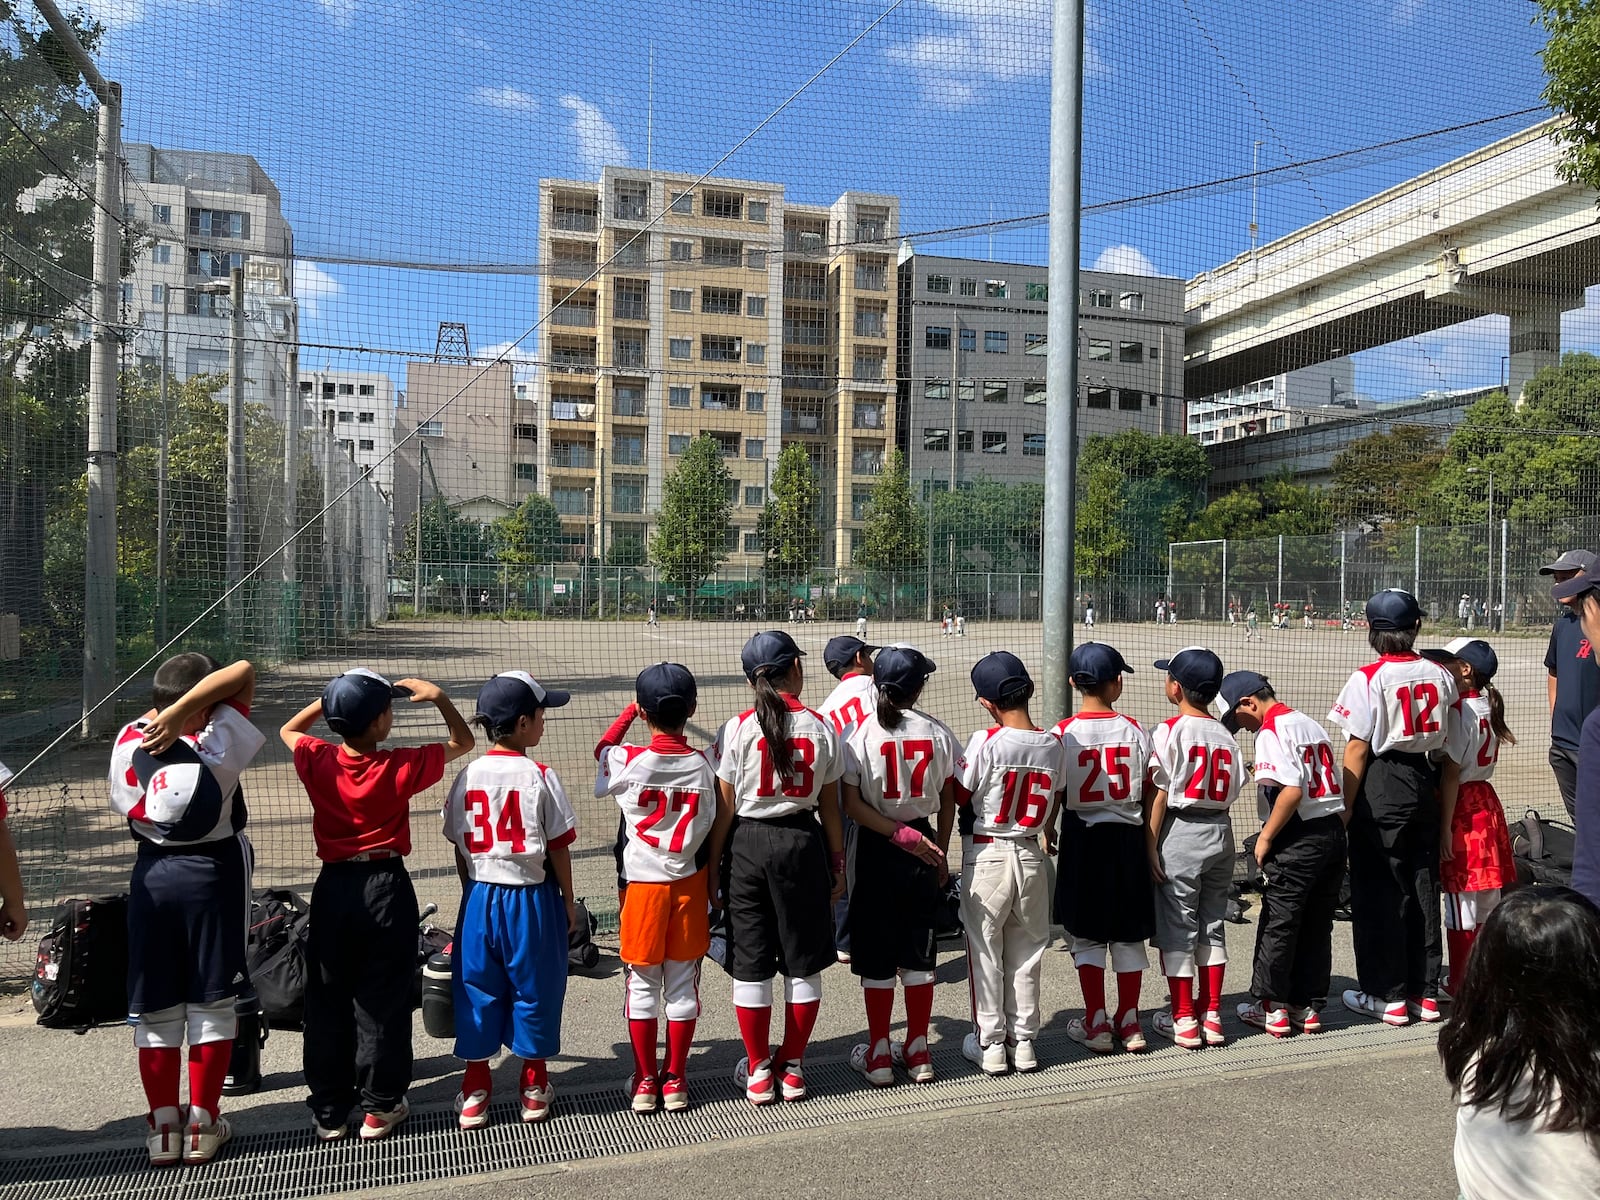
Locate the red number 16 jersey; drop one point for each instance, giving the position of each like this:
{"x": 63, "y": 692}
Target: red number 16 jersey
{"x": 1013, "y": 775}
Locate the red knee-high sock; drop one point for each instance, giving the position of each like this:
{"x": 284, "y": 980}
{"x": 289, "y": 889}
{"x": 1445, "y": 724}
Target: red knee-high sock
{"x": 1209, "y": 986}
{"x": 1129, "y": 984}
{"x": 1093, "y": 982}
{"x": 755, "y": 1027}
{"x": 680, "y": 1036}
{"x": 208, "y": 1070}
{"x": 1182, "y": 989}
{"x": 643, "y": 1033}
{"x": 799, "y": 1019}
{"x": 535, "y": 1074}
{"x": 1460, "y": 944}
{"x": 880, "y": 1011}
{"x": 159, "y": 1070}
{"x": 477, "y": 1078}
{"x": 919, "y": 1011}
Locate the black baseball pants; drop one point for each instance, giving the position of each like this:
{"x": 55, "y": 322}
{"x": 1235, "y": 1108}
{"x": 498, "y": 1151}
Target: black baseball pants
{"x": 1294, "y": 935}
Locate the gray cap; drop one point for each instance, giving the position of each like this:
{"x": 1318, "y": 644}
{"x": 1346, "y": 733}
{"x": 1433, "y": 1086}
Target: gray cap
{"x": 1572, "y": 560}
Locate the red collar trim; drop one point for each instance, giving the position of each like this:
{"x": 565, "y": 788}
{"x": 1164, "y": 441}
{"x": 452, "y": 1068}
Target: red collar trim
{"x": 670, "y": 743}
{"x": 1093, "y": 716}
{"x": 499, "y": 752}
{"x": 792, "y": 703}
{"x": 850, "y": 675}
{"x": 1399, "y": 657}
{"x": 1470, "y": 695}
{"x": 1273, "y": 713}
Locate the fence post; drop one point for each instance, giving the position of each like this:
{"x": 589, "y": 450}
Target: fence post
{"x": 1280, "y": 570}
{"x": 1416, "y": 564}
{"x": 1505, "y": 528}
{"x": 1343, "y": 607}
{"x": 1222, "y": 611}
{"x": 988, "y": 595}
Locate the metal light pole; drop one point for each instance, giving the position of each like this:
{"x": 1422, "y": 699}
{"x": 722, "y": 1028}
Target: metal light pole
{"x": 162, "y": 463}
{"x": 235, "y": 497}
{"x": 955, "y": 388}
{"x": 600, "y": 542}
{"x": 1488, "y": 595}
{"x": 1061, "y": 408}
{"x": 588, "y": 533}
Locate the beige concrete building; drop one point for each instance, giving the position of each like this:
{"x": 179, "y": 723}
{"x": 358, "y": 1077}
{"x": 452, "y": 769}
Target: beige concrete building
{"x": 673, "y": 310}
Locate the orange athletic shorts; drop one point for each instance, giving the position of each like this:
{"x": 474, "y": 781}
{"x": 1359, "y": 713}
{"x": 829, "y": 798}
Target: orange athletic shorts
{"x": 666, "y": 920}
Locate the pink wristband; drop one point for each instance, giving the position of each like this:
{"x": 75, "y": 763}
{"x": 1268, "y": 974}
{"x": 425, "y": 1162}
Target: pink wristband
{"x": 836, "y": 862}
{"x": 907, "y": 838}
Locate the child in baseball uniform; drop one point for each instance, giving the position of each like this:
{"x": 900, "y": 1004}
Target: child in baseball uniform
{"x": 778, "y": 767}
{"x": 1103, "y": 896}
{"x": 512, "y": 826}
{"x": 13, "y": 912}
{"x": 849, "y": 660}
{"x": 1400, "y": 776}
{"x": 667, "y": 793}
{"x": 1013, "y": 771}
{"x": 1300, "y": 850}
{"x": 361, "y": 959}
{"x": 1195, "y": 768}
{"x": 1475, "y": 862}
{"x": 175, "y": 777}
{"x": 900, "y": 766}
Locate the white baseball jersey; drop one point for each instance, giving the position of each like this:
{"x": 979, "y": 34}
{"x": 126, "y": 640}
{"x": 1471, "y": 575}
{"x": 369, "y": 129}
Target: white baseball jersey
{"x": 1292, "y": 750}
{"x": 1473, "y": 742}
{"x": 745, "y": 761}
{"x": 667, "y": 793}
{"x": 179, "y": 807}
{"x": 851, "y": 703}
{"x": 1196, "y": 762}
{"x": 1013, "y": 775}
{"x": 1399, "y": 703}
{"x": 902, "y": 772}
{"x": 504, "y": 813}
{"x": 1107, "y": 763}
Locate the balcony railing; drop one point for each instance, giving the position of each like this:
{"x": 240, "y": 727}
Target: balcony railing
{"x": 869, "y": 325}
{"x": 802, "y": 422}
{"x": 571, "y": 458}
{"x": 575, "y": 219}
{"x": 573, "y": 315}
{"x": 572, "y": 362}
{"x": 805, "y": 289}
{"x": 572, "y": 268}
{"x": 804, "y": 335}
{"x": 867, "y": 464}
{"x": 631, "y": 310}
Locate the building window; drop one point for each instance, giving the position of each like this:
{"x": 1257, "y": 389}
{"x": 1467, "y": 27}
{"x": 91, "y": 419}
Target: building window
{"x": 721, "y": 252}
{"x": 158, "y": 293}
{"x": 964, "y": 441}
{"x": 756, "y": 260}
{"x": 1099, "y": 350}
{"x": 1031, "y": 341}
{"x": 936, "y": 389}
{"x": 216, "y": 223}
{"x": 969, "y": 287}
{"x": 679, "y": 348}
{"x": 1130, "y": 352}
{"x": 628, "y": 400}
{"x": 367, "y": 389}
{"x": 630, "y": 299}
{"x": 1033, "y": 445}
{"x": 969, "y": 339}
{"x": 632, "y": 200}
{"x": 936, "y": 439}
{"x": 1036, "y": 291}
{"x": 755, "y": 447}
{"x": 871, "y": 319}
{"x": 729, "y": 206}
{"x": 756, "y": 210}
{"x": 681, "y": 300}
{"x": 755, "y": 401}
{"x": 755, "y": 497}
{"x": 872, "y": 275}
{"x": 347, "y": 445}
{"x": 994, "y": 442}
{"x": 995, "y": 289}
{"x": 214, "y": 264}
{"x": 868, "y": 414}
{"x": 364, "y": 444}
{"x": 368, "y": 418}
{"x": 627, "y": 493}
{"x": 1131, "y": 302}
{"x": 627, "y": 449}
{"x": 683, "y": 202}
{"x": 682, "y": 251}
{"x": 756, "y": 352}
{"x": 721, "y": 300}
{"x": 860, "y": 502}
{"x": 1033, "y": 391}
{"x": 755, "y": 306}
{"x": 433, "y": 428}
{"x": 678, "y": 443}
{"x": 570, "y": 501}
{"x": 996, "y": 341}
{"x": 522, "y": 433}
{"x": 347, "y": 389}
{"x": 1099, "y": 397}
{"x": 680, "y": 397}
{"x": 1153, "y": 352}
{"x": 161, "y": 214}
{"x": 719, "y": 399}
{"x": 753, "y": 543}
{"x": 868, "y": 366}
{"x": 866, "y": 458}
{"x": 936, "y": 337}
{"x": 161, "y": 253}
{"x": 1099, "y": 298}
{"x": 346, "y": 417}
{"x": 966, "y": 389}
{"x": 994, "y": 391}
{"x": 627, "y": 351}
{"x": 720, "y": 347}
{"x": 525, "y": 471}
{"x": 328, "y": 389}
{"x": 1129, "y": 400}
{"x": 939, "y": 285}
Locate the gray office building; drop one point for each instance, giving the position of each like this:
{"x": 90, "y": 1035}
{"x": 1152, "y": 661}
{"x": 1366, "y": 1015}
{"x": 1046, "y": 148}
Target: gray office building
{"x": 983, "y": 324}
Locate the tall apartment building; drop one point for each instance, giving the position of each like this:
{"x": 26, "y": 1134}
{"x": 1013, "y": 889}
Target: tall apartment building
{"x": 673, "y": 310}
{"x": 205, "y": 213}
{"x": 1293, "y": 400}
{"x": 983, "y": 323}
{"x": 359, "y": 408}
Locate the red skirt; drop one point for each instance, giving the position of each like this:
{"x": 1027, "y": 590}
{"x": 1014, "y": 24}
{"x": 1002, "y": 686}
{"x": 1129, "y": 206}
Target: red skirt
{"x": 1481, "y": 843}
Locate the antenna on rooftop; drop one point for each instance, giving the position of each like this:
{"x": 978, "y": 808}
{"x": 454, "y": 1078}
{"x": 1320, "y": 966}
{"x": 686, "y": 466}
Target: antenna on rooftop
{"x": 452, "y": 344}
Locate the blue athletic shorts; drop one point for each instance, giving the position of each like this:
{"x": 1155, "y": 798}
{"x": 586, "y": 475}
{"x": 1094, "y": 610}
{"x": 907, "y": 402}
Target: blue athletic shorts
{"x": 188, "y": 913}
{"x": 510, "y": 970}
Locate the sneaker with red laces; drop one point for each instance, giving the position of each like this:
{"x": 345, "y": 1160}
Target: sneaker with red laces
{"x": 1097, "y": 1037}
{"x": 1389, "y": 1012}
{"x": 1273, "y": 1018}
{"x": 381, "y": 1124}
{"x": 1211, "y": 1029}
{"x": 1131, "y": 1034}
{"x": 472, "y": 1110}
{"x": 164, "y": 1144}
{"x": 792, "y": 1079}
{"x": 1424, "y": 1009}
{"x": 536, "y": 1101}
{"x": 674, "y": 1093}
{"x": 1305, "y": 1020}
{"x": 646, "y": 1095}
{"x": 1184, "y": 1031}
{"x": 878, "y": 1069}
{"x": 759, "y": 1085}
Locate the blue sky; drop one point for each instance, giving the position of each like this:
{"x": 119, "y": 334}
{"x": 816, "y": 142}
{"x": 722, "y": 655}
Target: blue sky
{"x": 411, "y": 131}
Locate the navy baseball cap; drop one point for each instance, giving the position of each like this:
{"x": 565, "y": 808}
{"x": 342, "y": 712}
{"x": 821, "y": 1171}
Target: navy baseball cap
{"x": 1235, "y": 686}
{"x": 1571, "y": 589}
{"x": 663, "y": 683}
{"x": 1393, "y": 609}
{"x": 1477, "y": 654}
{"x": 1000, "y": 677}
{"x": 901, "y": 669}
{"x": 1095, "y": 663}
{"x": 356, "y": 699}
{"x": 1572, "y": 560}
{"x": 841, "y": 651}
{"x": 513, "y": 694}
{"x": 1197, "y": 669}
{"x": 770, "y": 650}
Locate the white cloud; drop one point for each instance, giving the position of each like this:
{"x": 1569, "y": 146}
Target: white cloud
{"x": 1124, "y": 260}
{"x": 313, "y": 288}
{"x": 340, "y": 12}
{"x": 1405, "y": 12}
{"x": 473, "y": 41}
{"x": 599, "y": 143}
{"x": 505, "y": 97}
{"x": 982, "y": 42}
{"x": 519, "y": 356}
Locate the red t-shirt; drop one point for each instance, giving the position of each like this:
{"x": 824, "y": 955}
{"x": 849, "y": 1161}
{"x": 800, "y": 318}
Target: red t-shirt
{"x": 361, "y": 803}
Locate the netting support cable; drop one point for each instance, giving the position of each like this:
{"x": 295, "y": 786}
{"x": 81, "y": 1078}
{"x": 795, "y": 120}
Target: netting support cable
{"x": 1061, "y": 433}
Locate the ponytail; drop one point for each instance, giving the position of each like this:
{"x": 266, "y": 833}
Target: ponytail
{"x": 1497, "y": 715}
{"x": 892, "y": 706}
{"x": 772, "y": 714}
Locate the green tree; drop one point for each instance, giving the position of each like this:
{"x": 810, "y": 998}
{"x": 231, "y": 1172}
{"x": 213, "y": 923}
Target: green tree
{"x": 693, "y": 527}
{"x": 1278, "y": 507}
{"x": 1386, "y": 478}
{"x": 990, "y": 526}
{"x": 1572, "y": 82}
{"x": 626, "y": 550}
{"x": 789, "y": 526}
{"x": 529, "y": 533}
{"x": 893, "y": 534}
{"x": 1138, "y": 492}
{"x": 448, "y": 538}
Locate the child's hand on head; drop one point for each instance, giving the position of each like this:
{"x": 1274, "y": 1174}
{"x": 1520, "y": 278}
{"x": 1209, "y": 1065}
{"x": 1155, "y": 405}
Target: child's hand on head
{"x": 422, "y": 692}
{"x": 165, "y": 728}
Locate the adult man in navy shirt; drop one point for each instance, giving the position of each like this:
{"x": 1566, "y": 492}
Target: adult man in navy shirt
{"x": 1574, "y": 677}
{"x": 1581, "y": 593}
